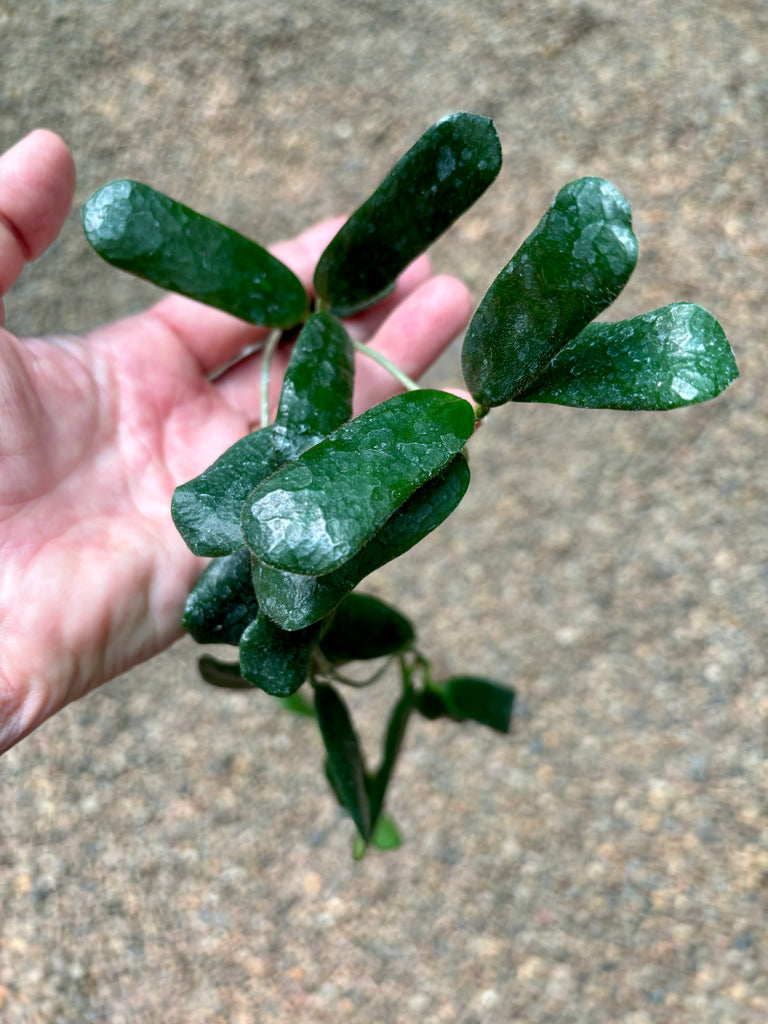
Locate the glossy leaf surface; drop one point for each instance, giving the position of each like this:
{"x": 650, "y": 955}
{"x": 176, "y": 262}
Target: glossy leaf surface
{"x": 318, "y": 511}
{"x": 222, "y": 603}
{"x": 674, "y": 356}
{"x": 346, "y": 765}
{"x": 364, "y": 627}
{"x": 206, "y": 510}
{"x": 274, "y": 660}
{"x": 295, "y": 601}
{"x": 569, "y": 269}
{"x": 440, "y": 177}
{"x": 227, "y": 675}
{"x": 316, "y": 397}
{"x": 156, "y": 238}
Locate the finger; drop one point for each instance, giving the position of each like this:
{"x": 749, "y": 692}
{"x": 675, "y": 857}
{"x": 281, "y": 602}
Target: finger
{"x": 216, "y": 338}
{"x": 241, "y": 385}
{"x": 413, "y": 337}
{"x": 366, "y": 324}
{"x": 37, "y": 183}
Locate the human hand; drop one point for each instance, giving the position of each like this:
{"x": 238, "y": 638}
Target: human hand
{"x": 96, "y": 432}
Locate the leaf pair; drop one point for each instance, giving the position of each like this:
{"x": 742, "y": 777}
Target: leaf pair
{"x": 531, "y": 338}
{"x": 160, "y": 240}
{"x": 360, "y": 793}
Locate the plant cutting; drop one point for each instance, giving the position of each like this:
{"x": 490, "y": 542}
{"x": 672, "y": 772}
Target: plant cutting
{"x": 296, "y": 514}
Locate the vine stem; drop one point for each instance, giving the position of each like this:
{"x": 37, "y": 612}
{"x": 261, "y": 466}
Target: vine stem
{"x": 327, "y": 670}
{"x": 266, "y": 370}
{"x": 402, "y": 378}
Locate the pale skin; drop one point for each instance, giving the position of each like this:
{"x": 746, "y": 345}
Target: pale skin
{"x": 96, "y": 431}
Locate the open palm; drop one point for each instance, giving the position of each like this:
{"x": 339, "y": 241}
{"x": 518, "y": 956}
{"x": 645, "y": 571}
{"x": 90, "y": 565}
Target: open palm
{"x": 96, "y": 432}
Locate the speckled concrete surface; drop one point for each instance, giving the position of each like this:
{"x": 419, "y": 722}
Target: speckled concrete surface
{"x": 169, "y": 853}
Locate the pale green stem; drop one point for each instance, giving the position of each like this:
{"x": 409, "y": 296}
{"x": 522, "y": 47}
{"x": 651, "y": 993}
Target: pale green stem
{"x": 408, "y": 384}
{"x": 266, "y": 368}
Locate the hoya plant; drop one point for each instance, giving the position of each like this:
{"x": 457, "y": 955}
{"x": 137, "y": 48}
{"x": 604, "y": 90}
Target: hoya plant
{"x": 296, "y": 514}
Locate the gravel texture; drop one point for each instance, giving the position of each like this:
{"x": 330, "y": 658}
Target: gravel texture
{"x": 169, "y": 852}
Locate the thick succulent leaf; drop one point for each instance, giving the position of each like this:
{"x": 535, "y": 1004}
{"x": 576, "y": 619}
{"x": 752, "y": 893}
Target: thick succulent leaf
{"x": 674, "y": 356}
{"x": 206, "y": 510}
{"x": 316, "y": 397}
{"x": 222, "y": 673}
{"x": 377, "y": 784}
{"x": 318, "y": 511}
{"x": 346, "y": 765}
{"x": 483, "y": 701}
{"x": 440, "y": 177}
{"x": 222, "y": 603}
{"x": 364, "y": 627}
{"x": 226, "y": 675}
{"x": 569, "y": 269}
{"x": 274, "y": 660}
{"x": 152, "y": 236}
{"x": 295, "y": 601}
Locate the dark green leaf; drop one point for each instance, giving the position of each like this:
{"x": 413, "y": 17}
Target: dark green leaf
{"x": 431, "y": 704}
{"x": 569, "y": 269}
{"x": 333, "y": 782}
{"x": 377, "y": 784}
{"x": 317, "y": 512}
{"x": 152, "y": 236}
{"x": 674, "y": 356}
{"x": 206, "y": 510}
{"x": 222, "y": 602}
{"x": 296, "y": 601}
{"x": 440, "y": 177}
{"x": 275, "y": 660}
{"x": 222, "y": 673}
{"x": 480, "y": 700}
{"x": 346, "y": 766}
{"x": 364, "y": 627}
{"x": 317, "y": 388}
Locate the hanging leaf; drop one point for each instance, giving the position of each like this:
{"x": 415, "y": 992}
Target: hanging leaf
{"x": 363, "y": 628}
{"x": 274, "y": 660}
{"x": 152, "y": 236}
{"x": 316, "y": 397}
{"x": 674, "y": 356}
{"x": 222, "y": 603}
{"x": 206, "y": 510}
{"x": 346, "y": 766}
{"x": 483, "y": 701}
{"x": 440, "y": 177}
{"x": 377, "y": 784}
{"x": 569, "y": 269}
{"x": 222, "y": 673}
{"x": 295, "y": 601}
{"x": 318, "y": 511}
